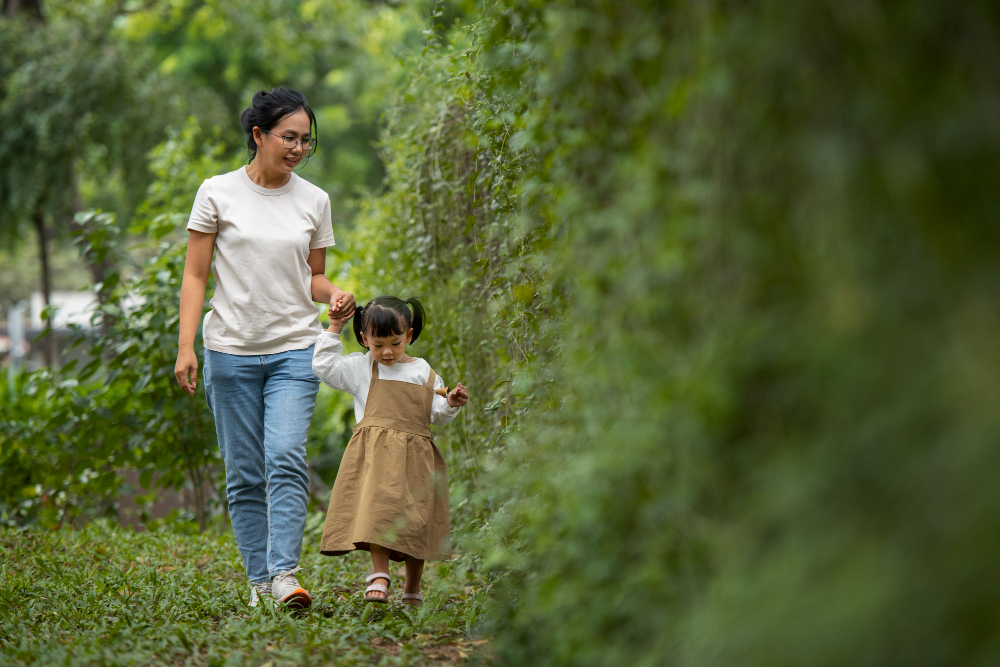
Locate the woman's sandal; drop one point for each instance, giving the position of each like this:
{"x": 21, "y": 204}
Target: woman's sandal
{"x": 414, "y": 596}
{"x": 382, "y": 588}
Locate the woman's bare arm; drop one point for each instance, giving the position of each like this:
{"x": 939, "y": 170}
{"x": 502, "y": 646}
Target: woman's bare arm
{"x": 197, "y": 266}
{"x": 323, "y": 291}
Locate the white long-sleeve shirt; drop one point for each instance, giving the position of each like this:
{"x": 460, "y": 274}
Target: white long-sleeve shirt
{"x": 353, "y": 373}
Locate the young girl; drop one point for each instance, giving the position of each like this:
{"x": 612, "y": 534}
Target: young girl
{"x": 391, "y": 493}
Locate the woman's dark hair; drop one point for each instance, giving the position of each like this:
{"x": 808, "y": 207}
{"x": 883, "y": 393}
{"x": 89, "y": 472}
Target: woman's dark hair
{"x": 386, "y": 316}
{"x": 268, "y": 108}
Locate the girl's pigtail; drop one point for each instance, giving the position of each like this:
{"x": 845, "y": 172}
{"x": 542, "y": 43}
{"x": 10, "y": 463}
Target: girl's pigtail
{"x": 359, "y": 325}
{"x": 418, "y": 317}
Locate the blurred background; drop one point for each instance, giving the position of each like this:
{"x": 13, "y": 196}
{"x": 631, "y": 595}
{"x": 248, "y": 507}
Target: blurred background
{"x": 721, "y": 277}
{"x": 113, "y": 113}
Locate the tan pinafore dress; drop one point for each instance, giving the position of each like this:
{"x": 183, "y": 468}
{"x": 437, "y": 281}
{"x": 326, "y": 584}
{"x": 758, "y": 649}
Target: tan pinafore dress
{"x": 392, "y": 486}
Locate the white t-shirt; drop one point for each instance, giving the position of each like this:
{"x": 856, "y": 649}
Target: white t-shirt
{"x": 353, "y": 373}
{"x": 263, "y": 298}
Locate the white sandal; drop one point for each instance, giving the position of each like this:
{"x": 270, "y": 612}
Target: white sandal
{"x": 414, "y": 596}
{"x": 382, "y": 588}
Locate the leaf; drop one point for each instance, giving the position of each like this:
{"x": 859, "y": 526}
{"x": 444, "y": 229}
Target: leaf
{"x": 142, "y": 382}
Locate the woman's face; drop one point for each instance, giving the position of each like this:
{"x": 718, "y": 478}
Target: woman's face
{"x": 271, "y": 151}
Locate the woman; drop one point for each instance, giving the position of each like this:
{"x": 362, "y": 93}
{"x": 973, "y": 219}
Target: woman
{"x": 269, "y": 229}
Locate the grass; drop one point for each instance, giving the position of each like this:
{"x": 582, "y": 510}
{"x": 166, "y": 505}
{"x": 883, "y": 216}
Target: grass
{"x": 106, "y": 595}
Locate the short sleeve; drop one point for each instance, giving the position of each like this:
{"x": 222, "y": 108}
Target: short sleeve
{"x": 204, "y": 214}
{"x": 323, "y": 236}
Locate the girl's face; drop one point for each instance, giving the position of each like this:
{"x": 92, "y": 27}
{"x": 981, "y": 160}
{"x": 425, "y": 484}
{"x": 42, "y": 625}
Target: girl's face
{"x": 389, "y": 350}
{"x": 271, "y": 151}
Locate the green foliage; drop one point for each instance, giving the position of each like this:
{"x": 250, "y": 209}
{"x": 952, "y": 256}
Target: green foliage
{"x": 171, "y": 436}
{"x": 342, "y": 54}
{"x": 109, "y": 596}
{"x": 754, "y": 422}
{"x": 80, "y": 113}
{"x": 19, "y": 270}
{"x": 446, "y": 230}
{"x": 54, "y": 452}
{"x": 774, "y": 440}
{"x": 122, "y": 409}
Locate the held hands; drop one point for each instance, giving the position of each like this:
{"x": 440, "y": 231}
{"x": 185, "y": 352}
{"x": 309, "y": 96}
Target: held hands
{"x": 341, "y": 310}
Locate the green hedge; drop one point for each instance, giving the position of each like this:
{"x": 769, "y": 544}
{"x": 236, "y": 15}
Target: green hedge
{"x": 446, "y": 229}
{"x": 757, "y": 424}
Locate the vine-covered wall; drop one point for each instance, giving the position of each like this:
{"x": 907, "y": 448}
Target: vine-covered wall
{"x": 736, "y": 263}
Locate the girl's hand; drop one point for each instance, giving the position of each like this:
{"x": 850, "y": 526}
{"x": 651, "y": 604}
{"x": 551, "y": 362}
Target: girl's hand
{"x": 341, "y": 305}
{"x": 458, "y": 396}
{"x": 186, "y": 370}
{"x": 337, "y": 324}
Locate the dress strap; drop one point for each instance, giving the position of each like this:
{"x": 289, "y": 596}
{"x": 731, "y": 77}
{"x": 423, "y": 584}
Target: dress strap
{"x": 374, "y": 369}
{"x": 430, "y": 379}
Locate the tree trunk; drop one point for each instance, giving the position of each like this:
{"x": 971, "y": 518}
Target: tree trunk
{"x": 49, "y": 339}
{"x": 99, "y": 271}
{"x": 32, "y": 9}
{"x": 200, "y": 511}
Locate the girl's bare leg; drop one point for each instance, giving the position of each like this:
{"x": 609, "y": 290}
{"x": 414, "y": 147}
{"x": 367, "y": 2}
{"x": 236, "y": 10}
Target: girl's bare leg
{"x": 414, "y": 572}
{"x": 380, "y": 563}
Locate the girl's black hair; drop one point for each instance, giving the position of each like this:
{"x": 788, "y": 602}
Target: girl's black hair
{"x": 268, "y": 108}
{"x": 386, "y": 316}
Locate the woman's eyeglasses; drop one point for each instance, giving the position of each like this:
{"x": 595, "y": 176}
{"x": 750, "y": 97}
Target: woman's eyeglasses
{"x": 307, "y": 143}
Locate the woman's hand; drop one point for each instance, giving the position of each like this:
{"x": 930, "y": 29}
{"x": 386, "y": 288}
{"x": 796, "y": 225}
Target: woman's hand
{"x": 341, "y": 305}
{"x": 186, "y": 370}
{"x": 458, "y": 396}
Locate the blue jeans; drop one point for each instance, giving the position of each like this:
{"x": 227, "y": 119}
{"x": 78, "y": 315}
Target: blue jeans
{"x": 262, "y": 407}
